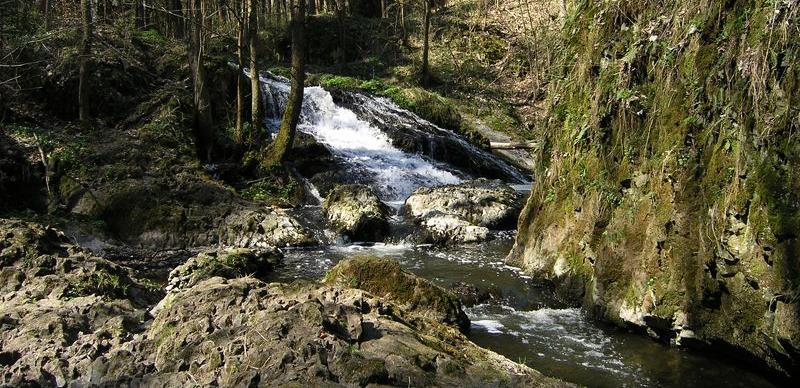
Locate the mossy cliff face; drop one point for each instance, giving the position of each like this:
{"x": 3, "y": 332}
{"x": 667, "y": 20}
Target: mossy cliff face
{"x": 668, "y": 176}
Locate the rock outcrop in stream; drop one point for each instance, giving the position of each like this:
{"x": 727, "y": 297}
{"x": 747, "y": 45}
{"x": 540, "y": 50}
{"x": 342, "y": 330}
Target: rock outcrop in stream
{"x": 356, "y": 212}
{"x": 384, "y": 278}
{"x": 69, "y": 318}
{"x": 464, "y": 213}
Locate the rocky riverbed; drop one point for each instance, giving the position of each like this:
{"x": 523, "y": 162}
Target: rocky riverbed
{"x": 72, "y": 318}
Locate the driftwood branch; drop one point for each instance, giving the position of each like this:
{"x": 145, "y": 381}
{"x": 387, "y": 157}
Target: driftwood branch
{"x": 512, "y": 145}
{"x": 46, "y": 165}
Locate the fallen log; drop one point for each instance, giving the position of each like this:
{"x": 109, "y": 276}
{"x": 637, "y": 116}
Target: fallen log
{"x": 512, "y": 145}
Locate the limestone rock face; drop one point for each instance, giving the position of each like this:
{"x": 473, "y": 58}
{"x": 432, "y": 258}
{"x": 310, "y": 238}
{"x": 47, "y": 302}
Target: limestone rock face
{"x": 356, "y": 212}
{"x": 384, "y": 278}
{"x": 264, "y": 229}
{"x": 642, "y": 266}
{"x": 466, "y": 212}
{"x": 61, "y": 307}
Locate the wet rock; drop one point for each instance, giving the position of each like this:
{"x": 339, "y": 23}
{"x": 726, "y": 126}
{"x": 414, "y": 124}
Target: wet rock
{"x": 264, "y": 229}
{"x": 384, "y": 278}
{"x": 228, "y": 263}
{"x": 356, "y": 212}
{"x": 471, "y": 295}
{"x": 466, "y": 212}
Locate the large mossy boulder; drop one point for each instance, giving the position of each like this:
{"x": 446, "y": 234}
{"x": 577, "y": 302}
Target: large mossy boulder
{"x": 357, "y": 213}
{"x": 465, "y": 212}
{"x": 384, "y": 278}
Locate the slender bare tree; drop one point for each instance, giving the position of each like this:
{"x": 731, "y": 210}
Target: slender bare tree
{"x": 255, "y": 92}
{"x": 203, "y": 119}
{"x": 426, "y": 76}
{"x": 276, "y": 152}
{"x": 84, "y": 57}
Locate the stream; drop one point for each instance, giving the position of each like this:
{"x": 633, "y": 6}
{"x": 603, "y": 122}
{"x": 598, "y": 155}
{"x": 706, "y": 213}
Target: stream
{"x": 527, "y": 324}
{"x": 530, "y": 326}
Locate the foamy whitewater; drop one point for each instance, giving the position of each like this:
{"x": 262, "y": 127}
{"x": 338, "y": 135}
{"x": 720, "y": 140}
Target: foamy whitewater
{"x": 393, "y": 173}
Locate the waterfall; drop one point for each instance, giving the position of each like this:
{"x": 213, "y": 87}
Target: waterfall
{"x": 362, "y": 143}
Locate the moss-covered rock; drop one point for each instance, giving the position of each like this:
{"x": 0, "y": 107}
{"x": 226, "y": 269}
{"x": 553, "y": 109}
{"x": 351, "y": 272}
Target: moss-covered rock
{"x": 384, "y": 278}
{"x": 356, "y": 212}
{"x": 664, "y": 194}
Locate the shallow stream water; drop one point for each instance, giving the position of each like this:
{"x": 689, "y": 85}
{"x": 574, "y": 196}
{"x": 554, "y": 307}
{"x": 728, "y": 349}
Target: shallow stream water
{"x": 530, "y": 326}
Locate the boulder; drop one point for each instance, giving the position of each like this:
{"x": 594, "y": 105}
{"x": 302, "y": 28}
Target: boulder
{"x": 228, "y": 263}
{"x": 384, "y": 278}
{"x": 243, "y": 332}
{"x": 264, "y": 228}
{"x": 465, "y": 212}
{"x": 357, "y": 213}
{"x": 446, "y": 228}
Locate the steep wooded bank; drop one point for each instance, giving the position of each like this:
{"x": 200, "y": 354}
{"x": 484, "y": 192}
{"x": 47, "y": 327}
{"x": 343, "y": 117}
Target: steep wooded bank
{"x": 667, "y": 183}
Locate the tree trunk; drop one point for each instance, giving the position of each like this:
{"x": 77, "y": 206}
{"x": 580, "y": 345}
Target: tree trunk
{"x": 426, "y": 78}
{"x": 44, "y": 6}
{"x": 255, "y": 92}
{"x": 276, "y": 153}
{"x": 340, "y": 59}
{"x": 240, "y": 42}
{"x": 176, "y": 15}
{"x": 403, "y": 32}
{"x": 140, "y": 16}
{"x": 84, "y": 57}
{"x": 202, "y": 117}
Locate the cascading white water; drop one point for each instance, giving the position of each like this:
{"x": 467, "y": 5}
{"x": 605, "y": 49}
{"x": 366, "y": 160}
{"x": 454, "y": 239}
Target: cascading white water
{"x": 393, "y": 174}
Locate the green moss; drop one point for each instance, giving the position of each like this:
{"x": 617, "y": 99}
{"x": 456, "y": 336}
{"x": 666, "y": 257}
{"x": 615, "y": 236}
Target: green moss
{"x": 152, "y": 37}
{"x": 166, "y": 334}
{"x": 101, "y": 283}
{"x": 277, "y": 187}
